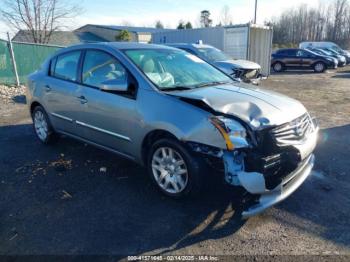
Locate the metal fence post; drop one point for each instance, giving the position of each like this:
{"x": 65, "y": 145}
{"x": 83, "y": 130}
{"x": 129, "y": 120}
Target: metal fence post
{"x": 13, "y": 59}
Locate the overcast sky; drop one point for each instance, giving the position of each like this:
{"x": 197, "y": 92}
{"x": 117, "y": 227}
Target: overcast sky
{"x": 146, "y": 12}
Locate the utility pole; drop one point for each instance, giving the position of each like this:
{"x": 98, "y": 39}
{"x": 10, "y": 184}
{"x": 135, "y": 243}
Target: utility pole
{"x": 256, "y": 10}
{"x": 13, "y": 59}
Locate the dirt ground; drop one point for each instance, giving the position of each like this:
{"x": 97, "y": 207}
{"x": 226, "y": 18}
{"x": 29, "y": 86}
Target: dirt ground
{"x": 73, "y": 199}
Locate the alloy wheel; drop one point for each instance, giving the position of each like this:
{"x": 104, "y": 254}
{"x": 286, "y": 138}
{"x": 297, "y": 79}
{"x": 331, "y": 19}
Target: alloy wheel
{"x": 319, "y": 67}
{"x": 278, "y": 67}
{"x": 41, "y": 126}
{"x": 169, "y": 170}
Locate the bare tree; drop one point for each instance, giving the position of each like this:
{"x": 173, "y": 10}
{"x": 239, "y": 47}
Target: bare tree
{"x": 40, "y": 18}
{"x": 226, "y": 18}
{"x": 327, "y": 22}
{"x": 339, "y": 9}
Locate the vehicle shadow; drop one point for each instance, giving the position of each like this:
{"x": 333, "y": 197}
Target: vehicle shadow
{"x": 342, "y": 75}
{"x": 301, "y": 72}
{"x": 20, "y": 99}
{"x": 293, "y": 72}
{"x": 71, "y": 198}
{"x": 323, "y": 200}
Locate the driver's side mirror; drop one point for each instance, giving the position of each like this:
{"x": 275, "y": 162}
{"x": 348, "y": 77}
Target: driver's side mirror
{"x": 115, "y": 85}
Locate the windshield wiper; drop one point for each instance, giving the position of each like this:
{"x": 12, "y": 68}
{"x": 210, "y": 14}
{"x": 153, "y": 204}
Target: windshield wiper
{"x": 176, "y": 88}
{"x": 213, "y": 83}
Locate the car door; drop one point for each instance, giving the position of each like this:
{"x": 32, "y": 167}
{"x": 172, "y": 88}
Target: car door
{"x": 109, "y": 118}
{"x": 61, "y": 92}
{"x": 306, "y": 58}
{"x": 291, "y": 59}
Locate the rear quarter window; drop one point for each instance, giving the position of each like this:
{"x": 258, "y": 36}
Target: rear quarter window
{"x": 66, "y": 66}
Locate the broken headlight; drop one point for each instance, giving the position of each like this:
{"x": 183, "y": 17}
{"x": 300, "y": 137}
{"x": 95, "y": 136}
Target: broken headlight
{"x": 234, "y": 133}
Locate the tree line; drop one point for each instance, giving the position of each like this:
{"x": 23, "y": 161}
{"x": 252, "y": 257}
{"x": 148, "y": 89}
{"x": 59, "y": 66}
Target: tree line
{"x": 327, "y": 22}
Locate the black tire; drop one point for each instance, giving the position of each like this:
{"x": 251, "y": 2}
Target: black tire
{"x": 320, "y": 67}
{"x": 51, "y": 136}
{"x": 278, "y": 67}
{"x": 195, "y": 167}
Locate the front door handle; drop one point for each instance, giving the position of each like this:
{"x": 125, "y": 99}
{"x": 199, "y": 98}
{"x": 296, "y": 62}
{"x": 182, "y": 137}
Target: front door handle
{"x": 82, "y": 99}
{"x": 47, "y": 88}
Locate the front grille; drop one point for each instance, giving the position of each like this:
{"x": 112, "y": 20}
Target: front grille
{"x": 275, "y": 167}
{"x": 294, "y": 132}
{"x": 275, "y": 156}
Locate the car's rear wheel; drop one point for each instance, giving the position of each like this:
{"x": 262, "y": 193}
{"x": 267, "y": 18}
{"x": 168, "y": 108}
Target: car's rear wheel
{"x": 42, "y": 126}
{"x": 278, "y": 67}
{"x": 175, "y": 171}
{"x": 319, "y": 67}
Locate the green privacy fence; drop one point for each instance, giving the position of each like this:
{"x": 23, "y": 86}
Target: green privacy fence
{"x": 28, "y": 58}
{"x": 6, "y": 67}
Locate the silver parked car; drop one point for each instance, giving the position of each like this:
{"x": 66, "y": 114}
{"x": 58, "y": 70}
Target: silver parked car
{"x": 177, "y": 115}
{"x": 242, "y": 70}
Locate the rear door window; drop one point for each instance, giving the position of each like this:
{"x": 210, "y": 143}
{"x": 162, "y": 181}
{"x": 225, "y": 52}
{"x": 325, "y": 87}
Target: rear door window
{"x": 66, "y": 66}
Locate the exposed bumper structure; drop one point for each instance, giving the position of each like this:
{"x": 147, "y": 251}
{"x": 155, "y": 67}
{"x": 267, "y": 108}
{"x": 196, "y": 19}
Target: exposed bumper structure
{"x": 282, "y": 191}
{"x": 257, "y": 173}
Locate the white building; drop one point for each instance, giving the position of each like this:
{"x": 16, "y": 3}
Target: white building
{"x": 109, "y": 32}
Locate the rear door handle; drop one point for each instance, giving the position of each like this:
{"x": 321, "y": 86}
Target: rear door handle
{"x": 82, "y": 99}
{"x": 47, "y": 88}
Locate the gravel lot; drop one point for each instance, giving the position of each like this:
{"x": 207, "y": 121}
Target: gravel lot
{"x": 75, "y": 199}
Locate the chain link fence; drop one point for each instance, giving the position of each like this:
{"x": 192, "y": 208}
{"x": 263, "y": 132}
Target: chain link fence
{"x": 28, "y": 58}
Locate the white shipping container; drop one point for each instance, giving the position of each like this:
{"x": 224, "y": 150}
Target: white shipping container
{"x": 248, "y": 41}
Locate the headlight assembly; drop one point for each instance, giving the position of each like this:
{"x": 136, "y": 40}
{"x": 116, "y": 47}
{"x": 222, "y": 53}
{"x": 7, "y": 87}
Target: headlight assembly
{"x": 233, "y": 132}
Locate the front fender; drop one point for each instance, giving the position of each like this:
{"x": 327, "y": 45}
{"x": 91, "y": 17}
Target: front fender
{"x": 185, "y": 121}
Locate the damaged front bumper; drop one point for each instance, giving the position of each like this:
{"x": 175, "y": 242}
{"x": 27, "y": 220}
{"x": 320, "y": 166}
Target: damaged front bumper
{"x": 282, "y": 191}
{"x": 269, "y": 188}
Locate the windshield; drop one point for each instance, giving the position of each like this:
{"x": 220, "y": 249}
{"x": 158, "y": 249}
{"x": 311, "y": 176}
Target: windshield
{"x": 213, "y": 54}
{"x": 310, "y": 52}
{"x": 336, "y": 48}
{"x": 325, "y": 52}
{"x": 175, "y": 69}
{"x": 332, "y": 51}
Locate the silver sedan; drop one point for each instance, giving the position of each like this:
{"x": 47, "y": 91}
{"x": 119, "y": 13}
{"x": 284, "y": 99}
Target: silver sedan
{"x": 178, "y": 116}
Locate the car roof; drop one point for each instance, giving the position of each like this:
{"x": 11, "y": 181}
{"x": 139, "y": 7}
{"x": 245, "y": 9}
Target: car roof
{"x": 115, "y": 45}
{"x": 184, "y": 45}
{"x": 288, "y": 49}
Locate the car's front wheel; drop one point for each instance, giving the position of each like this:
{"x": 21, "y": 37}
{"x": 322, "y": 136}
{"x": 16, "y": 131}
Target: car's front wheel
{"x": 319, "y": 67}
{"x": 42, "y": 126}
{"x": 175, "y": 171}
{"x": 278, "y": 67}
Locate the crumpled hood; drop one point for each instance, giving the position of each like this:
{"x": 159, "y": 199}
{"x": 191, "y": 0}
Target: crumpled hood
{"x": 251, "y": 104}
{"x": 245, "y": 64}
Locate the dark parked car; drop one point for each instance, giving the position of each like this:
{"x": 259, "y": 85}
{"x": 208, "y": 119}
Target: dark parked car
{"x": 325, "y": 52}
{"x": 294, "y": 58}
{"x": 340, "y": 54}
